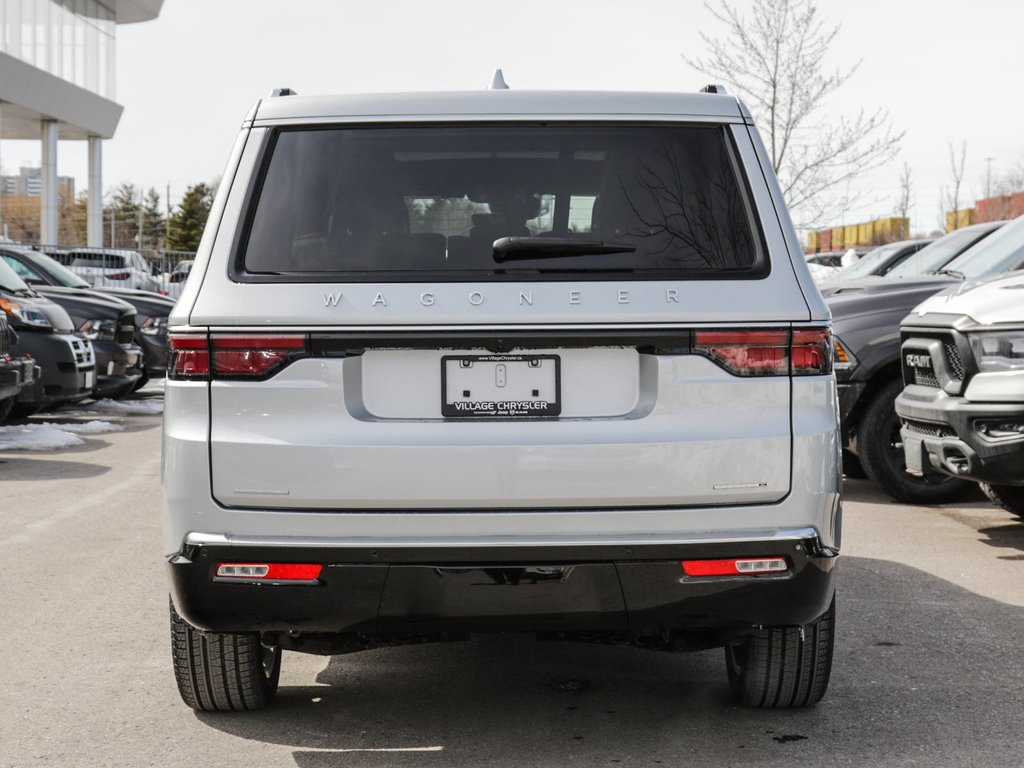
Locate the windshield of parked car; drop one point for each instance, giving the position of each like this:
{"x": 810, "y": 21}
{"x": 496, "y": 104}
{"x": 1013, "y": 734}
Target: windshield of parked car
{"x": 869, "y": 262}
{"x": 999, "y": 253}
{"x": 937, "y": 255}
{"x": 101, "y": 260}
{"x": 9, "y": 280}
{"x": 63, "y": 276}
{"x": 436, "y": 199}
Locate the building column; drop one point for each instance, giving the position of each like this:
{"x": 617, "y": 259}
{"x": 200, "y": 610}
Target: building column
{"x": 48, "y": 232}
{"x": 94, "y": 204}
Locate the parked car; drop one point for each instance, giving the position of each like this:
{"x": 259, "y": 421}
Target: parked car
{"x": 869, "y": 371}
{"x": 962, "y": 408}
{"x": 386, "y": 426}
{"x": 104, "y": 319}
{"x": 16, "y": 372}
{"x": 177, "y": 277}
{"x": 109, "y": 267}
{"x": 151, "y": 310}
{"x": 928, "y": 261}
{"x": 883, "y": 259}
{"x": 45, "y": 332}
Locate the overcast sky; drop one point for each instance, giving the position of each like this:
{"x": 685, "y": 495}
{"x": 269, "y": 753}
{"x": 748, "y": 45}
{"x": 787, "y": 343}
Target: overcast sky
{"x": 944, "y": 70}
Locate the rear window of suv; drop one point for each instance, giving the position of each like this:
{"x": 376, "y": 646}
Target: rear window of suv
{"x": 429, "y": 202}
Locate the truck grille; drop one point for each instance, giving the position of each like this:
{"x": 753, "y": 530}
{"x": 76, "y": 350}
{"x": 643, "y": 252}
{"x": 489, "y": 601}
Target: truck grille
{"x": 5, "y": 339}
{"x": 956, "y": 364}
{"x": 925, "y": 378}
{"x": 125, "y": 332}
{"x": 925, "y": 428}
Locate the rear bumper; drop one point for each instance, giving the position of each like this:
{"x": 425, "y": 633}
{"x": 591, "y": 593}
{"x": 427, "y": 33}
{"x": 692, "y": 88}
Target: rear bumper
{"x": 944, "y": 433}
{"x": 626, "y": 591}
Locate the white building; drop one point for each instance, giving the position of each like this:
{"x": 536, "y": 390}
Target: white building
{"x": 57, "y": 84}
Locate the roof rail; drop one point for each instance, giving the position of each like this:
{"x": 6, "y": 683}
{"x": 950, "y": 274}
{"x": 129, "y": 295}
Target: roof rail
{"x": 715, "y": 88}
{"x": 282, "y": 92}
{"x": 498, "y": 82}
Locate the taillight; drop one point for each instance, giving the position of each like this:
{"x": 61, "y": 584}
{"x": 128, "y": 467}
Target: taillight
{"x": 118, "y": 275}
{"x": 232, "y": 357}
{"x": 775, "y": 352}
{"x": 188, "y": 357}
{"x": 745, "y": 566}
{"x": 812, "y": 351}
{"x": 254, "y": 356}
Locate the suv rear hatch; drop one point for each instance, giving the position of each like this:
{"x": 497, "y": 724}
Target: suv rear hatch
{"x": 381, "y": 345}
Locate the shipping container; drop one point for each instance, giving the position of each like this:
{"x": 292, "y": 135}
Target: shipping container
{"x": 825, "y": 240}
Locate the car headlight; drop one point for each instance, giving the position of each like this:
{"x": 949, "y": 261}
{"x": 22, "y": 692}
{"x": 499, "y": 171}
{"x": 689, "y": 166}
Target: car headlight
{"x": 999, "y": 350}
{"x": 25, "y": 315}
{"x": 98, "y": 330}
{"x": 844, "y": 359}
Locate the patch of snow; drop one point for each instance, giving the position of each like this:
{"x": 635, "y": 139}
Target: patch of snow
{"x": 152, "y": 386}
{"x": 51, "y": 437}
{"x": 152, "y": 406}
{"x": 88, "y": 428}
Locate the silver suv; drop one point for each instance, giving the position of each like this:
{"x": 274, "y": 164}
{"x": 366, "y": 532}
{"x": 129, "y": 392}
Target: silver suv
{"x": 538, "y": 362}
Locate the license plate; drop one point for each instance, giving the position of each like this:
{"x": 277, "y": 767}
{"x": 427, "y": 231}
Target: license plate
{"x": 913, "y": 451}
{"x": 500, "y": 386}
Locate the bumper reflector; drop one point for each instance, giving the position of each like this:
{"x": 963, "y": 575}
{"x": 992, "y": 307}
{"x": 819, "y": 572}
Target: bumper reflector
{"x": 734, "y": 566}
{"x": 269, "y": 571}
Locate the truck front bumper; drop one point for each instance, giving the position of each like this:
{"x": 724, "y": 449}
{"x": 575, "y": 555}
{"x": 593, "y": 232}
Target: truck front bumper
{"x": 958, "y": 437}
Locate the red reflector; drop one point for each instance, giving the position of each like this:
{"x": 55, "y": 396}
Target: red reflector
{"x": 254, "y": 355}
{"x": 189, "y": 357}
{"x": 735, "y": 566}
{"x": 118, "y": 276}
{"x": 270, "y": 571}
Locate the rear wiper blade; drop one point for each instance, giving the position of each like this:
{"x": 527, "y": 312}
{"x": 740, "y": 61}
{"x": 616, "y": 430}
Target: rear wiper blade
{"x": 951, "y": 272}
{"x": 521, "y": 248}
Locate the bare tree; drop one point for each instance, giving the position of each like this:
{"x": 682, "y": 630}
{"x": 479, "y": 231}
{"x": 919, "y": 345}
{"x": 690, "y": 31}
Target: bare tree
{"x": 951, "y": 194}
{"x": 906, "y": 196}
{"x": 774, "y": 59}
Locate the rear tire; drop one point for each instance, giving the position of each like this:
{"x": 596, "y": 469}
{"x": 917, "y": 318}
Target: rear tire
{"x": 783, "y": 667}
{"x": 222, "y": 672}
{"x": 1009, "y": 497}
{"x": 881, "y": 453}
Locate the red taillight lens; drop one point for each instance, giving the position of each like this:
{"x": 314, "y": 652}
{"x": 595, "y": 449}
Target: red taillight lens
{"x": 269, "y": 571}
{"x": 746, "y": 566}
{"x": 119, "y": 275}
{"x": 775, "y": 352}
{"x": 189, "y": 357}
{"x": 812, "y": 352}
{"x": 746, "y": 353}
{"x": 196, "y": 357}
{"x": 254, "y": 355}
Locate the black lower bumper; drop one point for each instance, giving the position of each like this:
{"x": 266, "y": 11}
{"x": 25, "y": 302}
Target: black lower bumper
{"x": 630, "y": 593}
{"x": 955, "y": 436}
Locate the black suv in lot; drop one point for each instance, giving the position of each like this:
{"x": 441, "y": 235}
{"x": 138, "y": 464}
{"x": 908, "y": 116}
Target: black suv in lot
{"x": 46, "y": 333}
{"x": 16, "y": 372}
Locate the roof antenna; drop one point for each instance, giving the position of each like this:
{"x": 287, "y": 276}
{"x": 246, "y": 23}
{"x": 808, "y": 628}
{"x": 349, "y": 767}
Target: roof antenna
{"x": 498, "y": 81}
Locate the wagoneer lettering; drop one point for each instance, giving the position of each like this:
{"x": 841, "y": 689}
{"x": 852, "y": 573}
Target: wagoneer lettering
{"x": 560, "y": 342}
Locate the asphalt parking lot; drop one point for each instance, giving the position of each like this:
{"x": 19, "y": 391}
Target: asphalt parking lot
{"x": 928, "y": 668}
